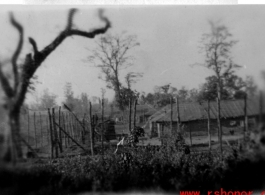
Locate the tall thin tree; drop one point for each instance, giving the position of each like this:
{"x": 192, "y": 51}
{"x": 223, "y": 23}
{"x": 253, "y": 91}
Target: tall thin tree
{"x": 103, "y": 91}
{"x": 216, "y": 46}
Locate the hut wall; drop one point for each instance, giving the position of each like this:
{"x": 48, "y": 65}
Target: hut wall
{"x": 201, "y": 126}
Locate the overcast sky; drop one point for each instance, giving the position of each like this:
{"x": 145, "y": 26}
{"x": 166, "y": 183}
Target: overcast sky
{"x": 169, "y": 38}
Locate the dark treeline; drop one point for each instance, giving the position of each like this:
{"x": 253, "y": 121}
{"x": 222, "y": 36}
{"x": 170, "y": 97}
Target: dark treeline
{"x": 233, "y": 87}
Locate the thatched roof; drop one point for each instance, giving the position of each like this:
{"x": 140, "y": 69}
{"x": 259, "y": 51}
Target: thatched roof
{"x": 197, "y": 111}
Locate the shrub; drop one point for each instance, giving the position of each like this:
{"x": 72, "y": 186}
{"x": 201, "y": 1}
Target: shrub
{"x": 162, "y": 169}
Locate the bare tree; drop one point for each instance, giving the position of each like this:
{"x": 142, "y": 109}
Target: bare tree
{"x": 217, "y": 46}
{"x": 111, "y": 55}
{"x": 16, "y": 90}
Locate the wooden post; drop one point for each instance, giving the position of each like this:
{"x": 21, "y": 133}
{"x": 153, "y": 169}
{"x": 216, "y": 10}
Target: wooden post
{"x": 158, "y": 130}
{"x": 178, "y": 115}
{"x": 75, "y": 132}
{"x": 74, "y": 141}
{"x": 77, "y": 120}
{"x": 60, "y": 132}
{"x": 34, "y": 119}
{"x": 72, "y": 127}
{"x": 79, "y": 129}
{"x": 245, "y": 116}
{"x": 69, "y": 128}
{"x": 55, "y": 134}
{"x": 219, "y": 123}
{"x": 51, "y": 134}
{"x": 76, "y": 129}
{"x": 171, "y": 116}
{"x": 130, "y": 114}
{"x": 28, "y": 125}
{"x": 190, "y": 137}
{"x": 209, "y": 125}
{"x": 91, "y": 130}
{"x": 260, "y": 107}
{"x": 66, "y": 129}
{"x": 134, "y": 113}
{"x": 162, "y": 133}
{"x": 151, "y": 128}
{"x": 48, "y": 130}
{"x": 102, "y": 122}
{"x": 64, "y": 126}
{"x": 28, "y": 145}
{"x": 75, "y": 136}
{"x": 83, "y": 132}
{"x": 41, "y": 135}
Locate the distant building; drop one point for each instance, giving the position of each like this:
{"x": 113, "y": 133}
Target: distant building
{"x": 143, "y": 112}
{"x": 193, "y": 116}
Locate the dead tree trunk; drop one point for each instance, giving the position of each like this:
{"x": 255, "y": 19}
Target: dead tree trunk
{"x": 15, "y": 90}
{"x": 15, "y": 147}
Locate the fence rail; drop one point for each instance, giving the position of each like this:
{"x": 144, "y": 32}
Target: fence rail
{"x": 40, "y": 129}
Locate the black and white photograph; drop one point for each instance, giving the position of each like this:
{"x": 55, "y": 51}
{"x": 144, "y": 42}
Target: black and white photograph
{"x": 132, "y": 99}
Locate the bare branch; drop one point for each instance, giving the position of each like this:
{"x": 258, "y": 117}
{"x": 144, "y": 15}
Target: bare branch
{"x": 31, "y": 65}
{"x": 18, "y": 49}
{"x": 34, "y": 45}
{"x": 197, "y": 64}
{"x": 70, "y": 32}
{"x": 132, "y": 77}
{"x": 70, "y": 18}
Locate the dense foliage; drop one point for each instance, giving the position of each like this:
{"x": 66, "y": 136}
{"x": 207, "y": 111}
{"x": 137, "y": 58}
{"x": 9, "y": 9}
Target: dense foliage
{"x": 148, "y": 169}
